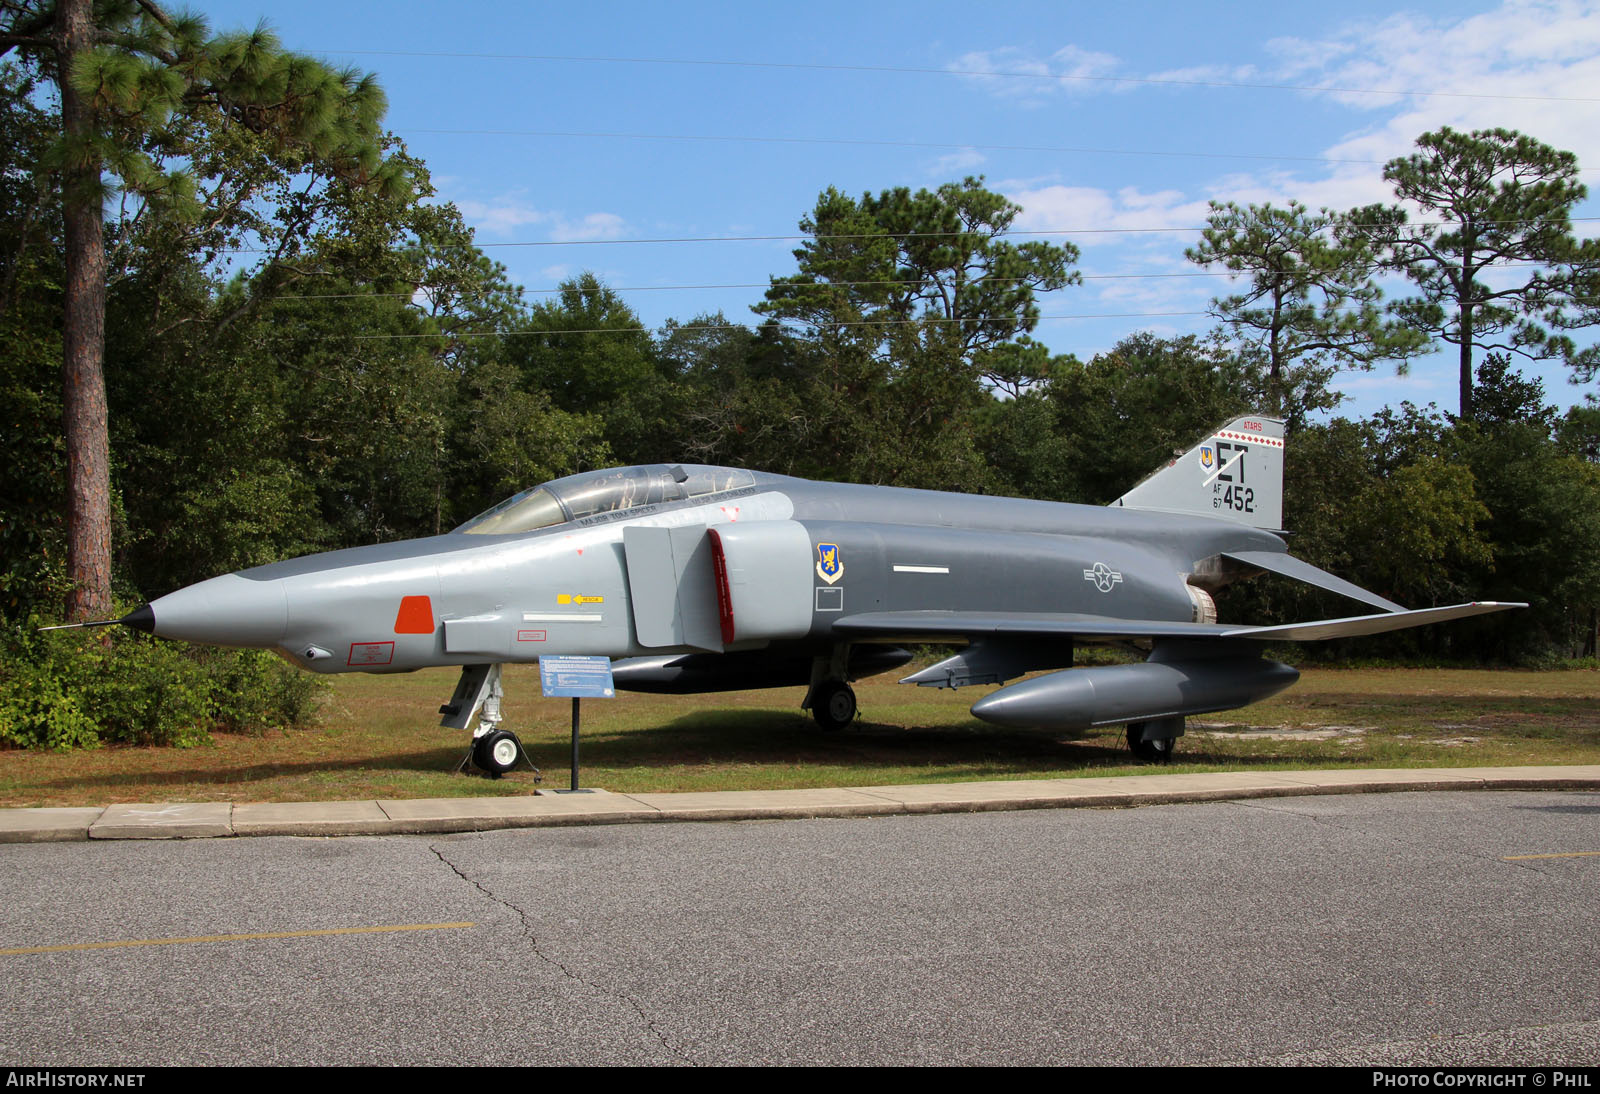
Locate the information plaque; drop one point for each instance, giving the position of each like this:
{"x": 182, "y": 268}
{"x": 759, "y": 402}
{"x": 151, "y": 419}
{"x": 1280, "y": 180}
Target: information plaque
{"x": 566, "y": 676}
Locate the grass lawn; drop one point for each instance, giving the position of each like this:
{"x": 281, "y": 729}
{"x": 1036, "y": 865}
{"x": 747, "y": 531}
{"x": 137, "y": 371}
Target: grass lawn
{"x": 379, "y": 738}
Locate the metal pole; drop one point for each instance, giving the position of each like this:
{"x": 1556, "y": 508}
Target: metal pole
{"x": 575, "y": 702}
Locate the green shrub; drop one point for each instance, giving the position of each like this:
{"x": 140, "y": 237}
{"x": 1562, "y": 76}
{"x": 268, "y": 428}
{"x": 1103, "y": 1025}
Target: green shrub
{"x": 76, "y": 689}
{"x": 36, "y": 711}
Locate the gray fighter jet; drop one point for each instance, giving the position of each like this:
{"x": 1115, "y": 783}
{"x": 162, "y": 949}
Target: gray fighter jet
{"x": 701, "y": 579}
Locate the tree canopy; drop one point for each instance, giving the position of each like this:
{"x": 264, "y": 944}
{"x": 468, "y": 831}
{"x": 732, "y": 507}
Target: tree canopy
{"x": 904, "y": 274}
{"x": 182, "y": 124}
{"x": 1489, "y": 199}
{"x": 1310, "y": 300}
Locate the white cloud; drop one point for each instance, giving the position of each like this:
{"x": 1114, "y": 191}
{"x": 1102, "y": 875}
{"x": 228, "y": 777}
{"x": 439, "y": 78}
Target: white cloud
{"x": 1102, "y": 215}
{"x": 506, "y": 215}
{"x": 1019, "y": 74}
{"x": 498, "y": 216}
{"x": 1503, "y": 68}
{"x": 1207, "y": 74}
{"x": 1530, "y": 65}
{"x": 1520, "y": 66}
{"x": 963, "y": 160}
{"x": 1345, "y": 187}
{"x": 591, "y": 227}
{"x": 1129, "y": 231}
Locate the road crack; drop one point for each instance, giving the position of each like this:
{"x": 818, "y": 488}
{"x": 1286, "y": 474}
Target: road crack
{"x": 533, "y": 941}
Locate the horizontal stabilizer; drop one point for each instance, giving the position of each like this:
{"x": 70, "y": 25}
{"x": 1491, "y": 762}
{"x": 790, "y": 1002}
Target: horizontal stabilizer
{"x": 1369, "y": 624}
{"x": 945, "y": 626}
{"x": 1288, "y": 566}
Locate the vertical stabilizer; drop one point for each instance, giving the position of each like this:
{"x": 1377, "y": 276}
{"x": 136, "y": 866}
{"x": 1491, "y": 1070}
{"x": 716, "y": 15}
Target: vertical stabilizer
{"x": 1234, "y": 474}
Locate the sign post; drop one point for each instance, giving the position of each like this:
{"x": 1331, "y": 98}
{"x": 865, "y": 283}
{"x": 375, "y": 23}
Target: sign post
{"x": 577, "y": 677}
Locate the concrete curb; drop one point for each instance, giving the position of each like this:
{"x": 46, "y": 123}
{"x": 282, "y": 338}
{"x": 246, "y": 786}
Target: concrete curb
{"x": 189, "y": 820}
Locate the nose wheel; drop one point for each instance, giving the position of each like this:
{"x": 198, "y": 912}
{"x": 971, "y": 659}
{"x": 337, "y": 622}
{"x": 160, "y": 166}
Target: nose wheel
{"x": 497, "y": 752}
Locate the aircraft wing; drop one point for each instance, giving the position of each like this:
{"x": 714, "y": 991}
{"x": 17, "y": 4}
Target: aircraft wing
{"x": 937, "y": 626}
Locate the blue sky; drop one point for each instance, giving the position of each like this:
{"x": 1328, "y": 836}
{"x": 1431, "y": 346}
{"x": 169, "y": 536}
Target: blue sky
{"x": 562, "y": 130}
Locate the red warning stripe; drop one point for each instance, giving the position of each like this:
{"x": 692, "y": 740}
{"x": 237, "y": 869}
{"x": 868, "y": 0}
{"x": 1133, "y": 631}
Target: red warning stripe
{"x": 719, "y": 567}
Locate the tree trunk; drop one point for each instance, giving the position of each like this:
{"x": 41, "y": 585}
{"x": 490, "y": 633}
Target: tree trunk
{"x": 1466, "y": 362}
{"x": 83, "y": 339}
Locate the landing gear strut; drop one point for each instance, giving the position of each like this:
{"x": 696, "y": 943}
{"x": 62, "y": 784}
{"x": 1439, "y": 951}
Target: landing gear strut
{"x": 1153, "y": 741}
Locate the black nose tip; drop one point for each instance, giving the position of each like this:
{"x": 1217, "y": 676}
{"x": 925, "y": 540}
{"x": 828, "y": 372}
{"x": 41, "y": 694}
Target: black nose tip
{"x": 140, "y": 619}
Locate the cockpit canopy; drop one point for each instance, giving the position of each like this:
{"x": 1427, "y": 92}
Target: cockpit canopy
{"x": 591, "y": 492}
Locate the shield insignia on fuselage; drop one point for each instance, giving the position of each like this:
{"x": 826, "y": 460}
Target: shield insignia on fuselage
{"x": 1208, "y": 456}
{"x": 830, "y": 566}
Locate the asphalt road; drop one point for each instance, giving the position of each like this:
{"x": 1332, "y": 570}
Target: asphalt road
{"x": 1387, "y": 928}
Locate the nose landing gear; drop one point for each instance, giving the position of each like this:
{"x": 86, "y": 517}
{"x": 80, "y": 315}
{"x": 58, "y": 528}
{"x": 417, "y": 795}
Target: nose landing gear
{"x": 494, "y": 751}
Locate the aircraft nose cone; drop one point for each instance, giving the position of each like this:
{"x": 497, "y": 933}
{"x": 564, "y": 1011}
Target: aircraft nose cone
{"x": 225, "y": 611}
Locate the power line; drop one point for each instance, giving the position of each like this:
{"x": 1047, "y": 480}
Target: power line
{"x": 521, "y": 291}
{"x": 1024, "y": 232}
{"x": 725, "y": 285}
{"x": 858, "y": 142}
{"x": 992, "y": 73}
{"x": 936, "y": 145}
{"x": 740, "y": 326}
{"x": 940, "y": 235}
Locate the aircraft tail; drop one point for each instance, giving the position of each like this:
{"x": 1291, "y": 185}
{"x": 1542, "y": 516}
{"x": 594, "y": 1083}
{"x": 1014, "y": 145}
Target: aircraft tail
{"x": 1234, "y": 474}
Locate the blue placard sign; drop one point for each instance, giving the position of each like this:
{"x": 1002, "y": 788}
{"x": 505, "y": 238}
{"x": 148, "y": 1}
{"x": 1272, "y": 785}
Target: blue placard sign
{"x": 573, "y": 677}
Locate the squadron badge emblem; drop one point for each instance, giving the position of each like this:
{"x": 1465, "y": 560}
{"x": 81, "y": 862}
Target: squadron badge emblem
{"x": 830, "y": 567}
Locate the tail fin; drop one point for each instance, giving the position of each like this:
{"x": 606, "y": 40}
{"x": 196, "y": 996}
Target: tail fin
{"x": 1234, "y": 474}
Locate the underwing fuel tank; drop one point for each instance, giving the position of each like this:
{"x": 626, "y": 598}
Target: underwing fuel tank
{"x": 1161, "y": 687}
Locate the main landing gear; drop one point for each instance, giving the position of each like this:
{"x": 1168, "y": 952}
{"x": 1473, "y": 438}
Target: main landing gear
{"x": 1153, "y": 741}
{"x": 831, "y": 700}
{"x": 833, "y": 705}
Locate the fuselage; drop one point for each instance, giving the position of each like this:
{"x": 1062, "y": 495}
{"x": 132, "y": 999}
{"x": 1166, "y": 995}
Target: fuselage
{"x": 770, "y": 560}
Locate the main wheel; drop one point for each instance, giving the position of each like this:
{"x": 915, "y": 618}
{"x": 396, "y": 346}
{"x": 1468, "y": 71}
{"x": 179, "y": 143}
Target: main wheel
{"x": 1156, "y": 750}
{"x": 834, "y": 706}
{"x": 497, "y": 752}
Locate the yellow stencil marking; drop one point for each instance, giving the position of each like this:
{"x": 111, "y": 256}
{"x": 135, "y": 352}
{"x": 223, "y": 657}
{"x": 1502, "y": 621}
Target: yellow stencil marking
{"x": 235, "y": 937}
{"x": 569, "y": 598}
{"x": 1562, "y": 854}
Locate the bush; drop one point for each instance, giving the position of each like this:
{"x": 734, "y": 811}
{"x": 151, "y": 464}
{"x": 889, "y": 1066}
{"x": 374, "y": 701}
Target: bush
{"x": 77, "y": 689}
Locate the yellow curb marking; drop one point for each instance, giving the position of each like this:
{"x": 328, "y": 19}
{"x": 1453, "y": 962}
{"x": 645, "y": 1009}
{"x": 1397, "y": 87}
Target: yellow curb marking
{"x": 235, "y": 937}
{"x": 1565, "y": 854}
